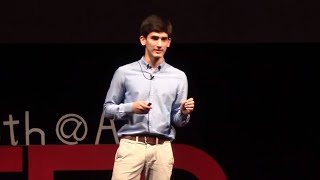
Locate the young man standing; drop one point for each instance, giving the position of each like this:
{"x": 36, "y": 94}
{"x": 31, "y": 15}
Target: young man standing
{"x": 149, "y": 97}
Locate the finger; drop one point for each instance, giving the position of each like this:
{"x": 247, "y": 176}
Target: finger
{"x": 189, "y": 104}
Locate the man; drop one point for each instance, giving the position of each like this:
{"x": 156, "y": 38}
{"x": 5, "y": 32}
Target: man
{"x": 149, "y": 97}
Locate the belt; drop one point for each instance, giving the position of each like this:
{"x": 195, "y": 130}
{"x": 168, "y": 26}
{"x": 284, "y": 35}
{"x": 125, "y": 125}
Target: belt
{"x": 145, "y": 139}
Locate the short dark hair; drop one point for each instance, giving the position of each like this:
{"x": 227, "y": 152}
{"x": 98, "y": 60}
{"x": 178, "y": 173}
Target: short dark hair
{"x": 155, "y": 23}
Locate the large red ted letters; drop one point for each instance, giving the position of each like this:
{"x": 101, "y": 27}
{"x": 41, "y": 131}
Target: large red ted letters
{"x": 44, "y": 160}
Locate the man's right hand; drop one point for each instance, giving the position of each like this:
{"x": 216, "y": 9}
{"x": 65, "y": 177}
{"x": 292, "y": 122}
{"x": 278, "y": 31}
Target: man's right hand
{"x": 141, "y": 107}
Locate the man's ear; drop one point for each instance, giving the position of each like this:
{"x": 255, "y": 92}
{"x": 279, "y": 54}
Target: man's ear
{"x": 142, "y": 40}
{"x": 169, "y": 42}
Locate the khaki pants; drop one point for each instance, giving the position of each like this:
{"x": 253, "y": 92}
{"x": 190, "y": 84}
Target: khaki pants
{"x": 133, "y": 157}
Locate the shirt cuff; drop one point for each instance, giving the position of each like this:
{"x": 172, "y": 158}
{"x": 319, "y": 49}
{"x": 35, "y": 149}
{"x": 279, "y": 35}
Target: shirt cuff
{"x": 126, "y": 108}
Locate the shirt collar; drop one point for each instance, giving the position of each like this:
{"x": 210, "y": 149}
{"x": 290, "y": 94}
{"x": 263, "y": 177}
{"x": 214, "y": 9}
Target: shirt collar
{"x": 148, "y": 66}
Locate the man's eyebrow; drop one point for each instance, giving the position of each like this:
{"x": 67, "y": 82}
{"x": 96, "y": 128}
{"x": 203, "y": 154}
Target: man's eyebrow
{"x": 157, "y": 37}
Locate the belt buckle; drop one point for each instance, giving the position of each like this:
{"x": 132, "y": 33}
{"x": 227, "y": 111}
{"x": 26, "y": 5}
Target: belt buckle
{"x": 145, "y": 139}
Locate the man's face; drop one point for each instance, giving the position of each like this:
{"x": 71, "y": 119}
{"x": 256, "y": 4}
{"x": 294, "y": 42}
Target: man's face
{"x": 156, "y": 44}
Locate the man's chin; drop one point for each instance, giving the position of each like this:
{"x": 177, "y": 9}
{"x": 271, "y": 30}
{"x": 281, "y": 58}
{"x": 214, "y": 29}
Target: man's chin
{"x": 157, "y": 56}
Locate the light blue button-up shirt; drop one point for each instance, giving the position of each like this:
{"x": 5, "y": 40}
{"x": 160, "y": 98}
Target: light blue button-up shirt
{"x": 165, "y": 87}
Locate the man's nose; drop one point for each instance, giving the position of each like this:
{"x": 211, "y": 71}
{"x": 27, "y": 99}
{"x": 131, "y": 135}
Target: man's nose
{"x": 159, "y": 42}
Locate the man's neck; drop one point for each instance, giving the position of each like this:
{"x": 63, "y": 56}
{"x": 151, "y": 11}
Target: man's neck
{"x": 154, "y": 62}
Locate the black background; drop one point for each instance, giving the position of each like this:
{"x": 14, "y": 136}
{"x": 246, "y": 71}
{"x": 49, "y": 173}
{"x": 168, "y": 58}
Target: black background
{"x": 201, "y": 21}
{"x": 255, "y": 103}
